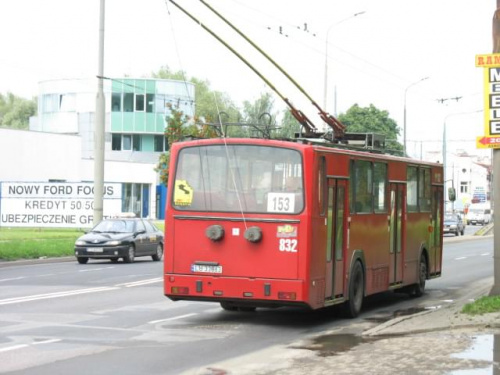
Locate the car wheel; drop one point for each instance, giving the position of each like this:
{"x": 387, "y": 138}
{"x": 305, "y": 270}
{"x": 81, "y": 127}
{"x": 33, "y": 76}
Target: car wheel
{"x": 114, "y": 260}
{"x": 130, "y": 257}
{"x": 82, "y": 260}
{"x": 159, "y": 253}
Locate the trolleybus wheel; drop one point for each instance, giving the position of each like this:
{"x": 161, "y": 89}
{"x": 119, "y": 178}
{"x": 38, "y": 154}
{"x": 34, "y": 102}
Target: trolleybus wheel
{"x": 247, "y": 308}
{"x": 356, "y": 291}
{"x": 419, "y": 288}
{"x": 228, "y": 306}
{"x": 129, "y": 258}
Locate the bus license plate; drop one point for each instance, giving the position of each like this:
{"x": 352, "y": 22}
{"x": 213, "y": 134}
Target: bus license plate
{"x": 94, "y": 249}
{"x": 206, "y": 268}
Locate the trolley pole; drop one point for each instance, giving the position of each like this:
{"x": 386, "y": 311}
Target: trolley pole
{"x": 99, "y": 126}
{"x": 496, "y": 174}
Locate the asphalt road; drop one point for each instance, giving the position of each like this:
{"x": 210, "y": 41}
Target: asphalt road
{"x": 103, "y": 318}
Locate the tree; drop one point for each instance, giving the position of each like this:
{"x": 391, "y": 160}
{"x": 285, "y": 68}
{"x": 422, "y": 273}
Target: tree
{"x": 289, "y": 125}
{"x": 372, "y": 120}
{"x": 15, "y": 112}
{"x": 178, "y": 127}
{"x": 259, "y": 114}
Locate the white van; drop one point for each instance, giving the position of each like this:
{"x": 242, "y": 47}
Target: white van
{"x": 479, "y": 214}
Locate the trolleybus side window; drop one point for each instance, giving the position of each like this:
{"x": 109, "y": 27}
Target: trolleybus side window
{"x": 322, "y": 185}
{"x": 418, "y": 189}
{"x": 424, "y": 190}
{"x": 361, "y": 188}
{"x": 412, "y": 189}
{"x": 380, "y": 187}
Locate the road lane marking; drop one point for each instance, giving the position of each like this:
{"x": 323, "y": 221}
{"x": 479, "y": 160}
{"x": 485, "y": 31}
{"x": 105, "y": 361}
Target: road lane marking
{"x": 461, "y": 258}
{"x": 174, "y": 318}
{"x": 140, "y": 282}
{"x": 21, "y": 346}
{"x": 485, "y": 254}
{"x": 50, "y": 341}
{"x": 69, "y": 293}
{"x": 96, "y": 269}
{"x": 13, "y": 278}
{"x": 9, "y": 348}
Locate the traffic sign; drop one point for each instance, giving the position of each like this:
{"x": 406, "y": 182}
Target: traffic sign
{"x": 488, "y": 142}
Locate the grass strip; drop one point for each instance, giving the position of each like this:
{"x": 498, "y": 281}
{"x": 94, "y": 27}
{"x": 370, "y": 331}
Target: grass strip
{"x": 484, "y": 305}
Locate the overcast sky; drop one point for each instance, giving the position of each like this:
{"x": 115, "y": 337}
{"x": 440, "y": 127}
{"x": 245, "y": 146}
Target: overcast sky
{"x": 373, "y": 58}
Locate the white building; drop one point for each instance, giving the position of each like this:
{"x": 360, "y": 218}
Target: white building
{"x": 59, "y": 145}
{"x": 470, "y": 175}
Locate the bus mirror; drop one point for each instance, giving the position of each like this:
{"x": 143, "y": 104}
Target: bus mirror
{"x": 451, "y": 194}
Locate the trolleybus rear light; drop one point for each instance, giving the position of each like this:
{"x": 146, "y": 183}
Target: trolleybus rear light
{"x": 247, "y": 294}
{"x": 180, "y": 290}
{"x": 287, "y": 295}
{"x": 218, "y": 293}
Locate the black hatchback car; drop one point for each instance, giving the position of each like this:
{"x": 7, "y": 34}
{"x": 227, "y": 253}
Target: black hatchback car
{"x": 117, "y": 238}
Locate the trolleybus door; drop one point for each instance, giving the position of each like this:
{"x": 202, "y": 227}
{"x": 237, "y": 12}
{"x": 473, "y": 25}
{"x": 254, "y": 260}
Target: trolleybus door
{"x": 435, "y": 235}
{"x": 335, "y": 244}
{"x": 396, "y": 233}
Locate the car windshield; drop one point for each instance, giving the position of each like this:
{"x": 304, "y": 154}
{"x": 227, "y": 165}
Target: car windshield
{"x": 237, "y": 178}
{"x": 114, "y": 226}
{"x": 450, "y": 218}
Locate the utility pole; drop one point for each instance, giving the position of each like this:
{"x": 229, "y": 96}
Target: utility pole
{"x": 99, "y": 126}
{"x": 496, "y": 174}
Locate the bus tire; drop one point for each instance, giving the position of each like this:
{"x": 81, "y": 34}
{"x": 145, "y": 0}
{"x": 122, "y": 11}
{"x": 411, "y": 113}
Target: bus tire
{"x": 130, "y": 257}
{"x": 228, "y": 306}
{"x": 419, "y": 288}
{"x": 352, "y": 307}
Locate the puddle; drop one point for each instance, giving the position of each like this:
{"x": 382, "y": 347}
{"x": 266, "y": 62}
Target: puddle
{"x": 330, "y": 345}
{"x": 483, "y": 348}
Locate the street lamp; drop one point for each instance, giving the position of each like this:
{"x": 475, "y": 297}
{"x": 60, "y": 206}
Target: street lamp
{"x": 326, "y": 54}
{"x": 404, "y": 115}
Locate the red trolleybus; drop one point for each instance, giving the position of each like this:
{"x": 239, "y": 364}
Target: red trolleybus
{"x": 265, "y": 223}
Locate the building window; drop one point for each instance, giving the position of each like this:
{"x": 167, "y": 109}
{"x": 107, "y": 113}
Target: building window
{"x": 464, "y": 187}
{"x": 136, "y": 142}
{"x": 127, "y": 142}
{"x": 160, "y": 143}
{"x": 116, "y": 102}
{"x": 150, "y": 101}
{"x": 139, "y": 102}
{"x": 116, "y": 142}
{"x": 67, "y": 102}
{"x": 135, "y": 198}
{"x": 128, "y": 102}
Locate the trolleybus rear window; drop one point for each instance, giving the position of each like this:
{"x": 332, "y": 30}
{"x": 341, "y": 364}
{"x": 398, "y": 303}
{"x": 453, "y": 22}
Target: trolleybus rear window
{"x": 237, "y": 178}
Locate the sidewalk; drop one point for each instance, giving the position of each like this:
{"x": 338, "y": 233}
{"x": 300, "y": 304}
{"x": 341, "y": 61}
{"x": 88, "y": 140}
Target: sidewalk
{"x": 435, "y": 341}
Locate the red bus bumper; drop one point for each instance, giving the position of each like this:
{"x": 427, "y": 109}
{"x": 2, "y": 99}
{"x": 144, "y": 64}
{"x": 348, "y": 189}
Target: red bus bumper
{"x": 249, "y": 292}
